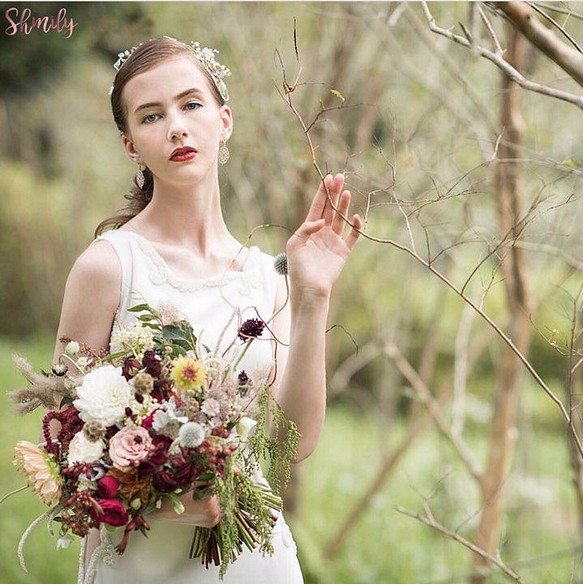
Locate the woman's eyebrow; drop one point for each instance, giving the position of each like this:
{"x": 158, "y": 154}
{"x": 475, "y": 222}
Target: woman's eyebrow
{"x": 182, "y": 94}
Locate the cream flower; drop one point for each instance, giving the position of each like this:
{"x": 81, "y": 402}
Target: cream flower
{"x": 72, "y": 348}
{"x": 211, "y": 407}
{"x": 133, "y": 337}
{"x": 41, "y": 471}
{"x": 103, "y": 396}
{"x": 245, "y": 427}
{"x": 81, "y": 449}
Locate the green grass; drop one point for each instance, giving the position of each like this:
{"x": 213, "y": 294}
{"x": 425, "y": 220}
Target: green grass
{"x": 45, "y": 564}
{"x": 385, "y": 546}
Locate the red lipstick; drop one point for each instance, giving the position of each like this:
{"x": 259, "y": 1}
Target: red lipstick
{"x": 183, "y": 154}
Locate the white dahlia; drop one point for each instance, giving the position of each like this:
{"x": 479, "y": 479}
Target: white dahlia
{"x": 104, "y": 396}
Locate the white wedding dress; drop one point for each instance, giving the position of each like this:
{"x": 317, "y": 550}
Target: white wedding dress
{"x": 162, "y": 556}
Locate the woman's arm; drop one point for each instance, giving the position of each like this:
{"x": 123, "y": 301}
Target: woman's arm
{"x": 316, "y": 254}
{"x": 91, "y": 298}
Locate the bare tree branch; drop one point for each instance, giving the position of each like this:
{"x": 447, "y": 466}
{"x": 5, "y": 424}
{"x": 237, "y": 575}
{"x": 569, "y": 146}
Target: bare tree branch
{"x": 564, "y": 32}
{"x": 429, "y": 520}
{"x": 424, "y": 395}
{"x": 565, "y": 56}
{"x": 499, "y": 61}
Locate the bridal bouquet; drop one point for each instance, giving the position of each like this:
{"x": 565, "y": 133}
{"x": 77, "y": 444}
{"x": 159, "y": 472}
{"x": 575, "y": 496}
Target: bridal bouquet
{"x": 159, "y": 417}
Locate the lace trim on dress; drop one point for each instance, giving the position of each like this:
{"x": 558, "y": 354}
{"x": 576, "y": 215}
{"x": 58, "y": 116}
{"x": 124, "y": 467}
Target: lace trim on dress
{"x": 104, "y": 552}
{"x": 161, "y": 273}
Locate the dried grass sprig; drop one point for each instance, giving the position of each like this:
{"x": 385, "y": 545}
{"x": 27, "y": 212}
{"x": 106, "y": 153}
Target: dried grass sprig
{"x": 46, "y": 390}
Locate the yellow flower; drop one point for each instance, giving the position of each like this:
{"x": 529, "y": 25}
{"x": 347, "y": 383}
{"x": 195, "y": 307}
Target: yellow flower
{"x": 188, "y": 373}
{"x": 41, "y": 471}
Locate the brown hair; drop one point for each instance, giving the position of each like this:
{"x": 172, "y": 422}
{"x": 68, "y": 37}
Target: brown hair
{"x": 146, "y": 56}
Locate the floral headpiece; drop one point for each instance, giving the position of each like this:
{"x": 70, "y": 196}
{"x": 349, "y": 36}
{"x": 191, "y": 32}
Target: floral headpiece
{"x": 205, "y": 55}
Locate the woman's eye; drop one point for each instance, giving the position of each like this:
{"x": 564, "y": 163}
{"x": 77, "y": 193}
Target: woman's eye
{"x": 150, "y": 118}
{"x": 191, "y": 105}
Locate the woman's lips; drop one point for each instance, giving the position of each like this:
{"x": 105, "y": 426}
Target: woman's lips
{"x": 183, "y": 154}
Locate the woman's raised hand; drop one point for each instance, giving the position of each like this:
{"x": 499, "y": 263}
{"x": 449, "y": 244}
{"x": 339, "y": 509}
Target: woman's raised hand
{"x": 318, "y": 250}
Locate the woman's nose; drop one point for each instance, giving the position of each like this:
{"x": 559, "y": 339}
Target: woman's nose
{"x": 176, "y": 128}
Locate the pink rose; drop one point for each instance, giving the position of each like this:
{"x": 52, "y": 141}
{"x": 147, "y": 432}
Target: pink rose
{"x": 129, "y": 447}
{"x": 113, "y": 512}
{"x": 108, "y": 487}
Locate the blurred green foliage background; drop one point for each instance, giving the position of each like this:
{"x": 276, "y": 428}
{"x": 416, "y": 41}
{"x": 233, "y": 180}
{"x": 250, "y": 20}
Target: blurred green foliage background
{"x": 413, "y": 122}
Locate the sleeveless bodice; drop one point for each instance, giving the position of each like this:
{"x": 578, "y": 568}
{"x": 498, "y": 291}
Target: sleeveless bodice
{"x": 214, "y": 306}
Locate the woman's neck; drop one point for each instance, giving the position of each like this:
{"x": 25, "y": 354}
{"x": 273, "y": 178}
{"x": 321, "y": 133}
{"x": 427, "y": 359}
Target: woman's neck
{"x": 188, "y": 217}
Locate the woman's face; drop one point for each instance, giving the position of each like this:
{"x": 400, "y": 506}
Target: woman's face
{"x": 175, "y": 125}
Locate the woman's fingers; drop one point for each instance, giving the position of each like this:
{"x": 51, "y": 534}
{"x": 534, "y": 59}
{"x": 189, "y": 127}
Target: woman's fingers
{"x": 326, "y": 198}
{"x": 342, "y": 206}
{"x": 354, "y": 233}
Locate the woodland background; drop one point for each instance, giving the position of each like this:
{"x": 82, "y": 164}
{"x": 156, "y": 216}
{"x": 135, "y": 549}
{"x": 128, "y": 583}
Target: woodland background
{"x": 452, "y": 450}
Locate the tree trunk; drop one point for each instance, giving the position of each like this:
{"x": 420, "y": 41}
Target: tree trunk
{"x": 509, "y": 202}
{"x": 573, "y": 391}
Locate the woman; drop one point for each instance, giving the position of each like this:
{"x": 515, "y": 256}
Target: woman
{"x": 168, "y": 100}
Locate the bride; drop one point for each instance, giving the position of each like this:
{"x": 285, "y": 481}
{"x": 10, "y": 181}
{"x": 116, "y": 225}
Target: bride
{"x": 169, "y": 103}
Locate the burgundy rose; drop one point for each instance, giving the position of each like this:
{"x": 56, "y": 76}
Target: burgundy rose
{"x": 162, "y": 390}
{"x": 158, "y": 456}
{"x": 130, "y": 367}
{"x": 153, "y": 363}
{"x": 112, "y": 512}
{"x": 108, "y": 487}
{"x": 181, "y": 475}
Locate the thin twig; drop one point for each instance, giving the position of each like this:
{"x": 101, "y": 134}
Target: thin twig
{"x": 424, "y": 395}
{"x": 491, "y": 32}
{"x": 430, "y": 521}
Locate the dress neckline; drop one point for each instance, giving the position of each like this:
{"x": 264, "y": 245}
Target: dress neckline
{"x": 163, "y": 272}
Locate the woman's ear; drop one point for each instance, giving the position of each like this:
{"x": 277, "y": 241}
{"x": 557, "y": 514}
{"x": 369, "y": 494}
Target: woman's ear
{"x": 130, "y": 149}
{"x": 227, "y": 122}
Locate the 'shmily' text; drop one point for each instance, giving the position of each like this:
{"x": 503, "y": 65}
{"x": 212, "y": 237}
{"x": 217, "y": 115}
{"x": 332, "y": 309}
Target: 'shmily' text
{"x": 24, "y": 22}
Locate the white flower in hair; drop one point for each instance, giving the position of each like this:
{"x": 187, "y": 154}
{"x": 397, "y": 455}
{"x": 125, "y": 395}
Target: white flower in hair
{"x": 204, "y": 54}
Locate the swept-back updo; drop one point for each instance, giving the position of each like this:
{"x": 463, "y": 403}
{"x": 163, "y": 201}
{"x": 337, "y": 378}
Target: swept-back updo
{"x": 147, "y": 55}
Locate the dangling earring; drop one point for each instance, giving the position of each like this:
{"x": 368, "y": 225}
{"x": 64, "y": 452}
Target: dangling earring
{"x": 224, "y": 154}
{"x": 140, "y": 178}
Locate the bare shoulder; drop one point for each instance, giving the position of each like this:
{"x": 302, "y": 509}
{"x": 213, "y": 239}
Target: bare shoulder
{"x": 98, "y": 263}
{"x": 92, "y": 296}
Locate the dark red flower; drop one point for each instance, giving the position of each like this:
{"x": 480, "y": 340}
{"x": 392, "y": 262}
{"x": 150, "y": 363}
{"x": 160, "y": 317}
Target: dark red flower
{"x": 130, "y": 367}
{"x": 108, "y": 487}
{"x": 158, "y": 456}
{"x": 152, "y": 361}
{"x": 180, "y": 475}
{"x": 112, "y": 512}
{"x": 251, "y": 329}
{"x": 149, "y": 420}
